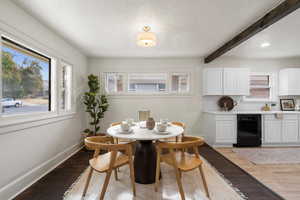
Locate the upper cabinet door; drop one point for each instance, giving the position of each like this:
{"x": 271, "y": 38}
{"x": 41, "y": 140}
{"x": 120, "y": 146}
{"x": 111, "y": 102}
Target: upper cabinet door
{"x": 289, "y": 82}
{"x": 213, "y": 81}
{"x": 236, "y": 81}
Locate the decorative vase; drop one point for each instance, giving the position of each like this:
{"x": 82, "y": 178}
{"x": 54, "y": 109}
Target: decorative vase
{"x": 150, "y": 123}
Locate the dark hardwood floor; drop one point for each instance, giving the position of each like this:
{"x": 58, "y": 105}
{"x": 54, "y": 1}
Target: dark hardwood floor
{"x": 54, "y": 184}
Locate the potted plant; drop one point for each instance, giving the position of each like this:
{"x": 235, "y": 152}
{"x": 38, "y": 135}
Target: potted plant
{"x": 96, "y": 105}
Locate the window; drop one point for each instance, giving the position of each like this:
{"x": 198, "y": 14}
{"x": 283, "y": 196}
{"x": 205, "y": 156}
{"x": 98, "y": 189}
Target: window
{"x": 180, "y": 82}
{"x": 66, "y": 87}
{"x": 147, "y": 82}
{"x": 25, "y": 79}
{"x": 113, "y": 82}
{"x": 260, "y": 87}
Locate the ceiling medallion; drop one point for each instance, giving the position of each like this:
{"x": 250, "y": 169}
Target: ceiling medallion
{"x": 146, "y": 38}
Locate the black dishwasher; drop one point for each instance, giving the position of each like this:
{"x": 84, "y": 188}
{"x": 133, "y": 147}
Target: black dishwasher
{"x": 248, "y": 130}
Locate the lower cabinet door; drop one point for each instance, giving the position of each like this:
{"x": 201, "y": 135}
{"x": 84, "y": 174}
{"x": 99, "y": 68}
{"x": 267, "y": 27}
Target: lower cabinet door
{"x": 272, "y": 131}
{"x": 226, "y": 131}
{"x": 290, "y": 131}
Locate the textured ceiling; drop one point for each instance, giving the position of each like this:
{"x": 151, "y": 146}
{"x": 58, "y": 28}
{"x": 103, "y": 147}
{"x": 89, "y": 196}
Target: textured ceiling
{"x": 185, "y": 28}
{"x": 282, "y": 36}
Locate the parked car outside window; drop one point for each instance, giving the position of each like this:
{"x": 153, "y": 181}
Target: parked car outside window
{"x": 10, "y": 102}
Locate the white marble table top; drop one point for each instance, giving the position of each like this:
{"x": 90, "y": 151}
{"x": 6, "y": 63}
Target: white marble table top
{"x": 143, "y": 133}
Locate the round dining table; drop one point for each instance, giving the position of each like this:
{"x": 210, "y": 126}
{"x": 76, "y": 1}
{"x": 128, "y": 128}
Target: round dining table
{"x": 145, "y": 151}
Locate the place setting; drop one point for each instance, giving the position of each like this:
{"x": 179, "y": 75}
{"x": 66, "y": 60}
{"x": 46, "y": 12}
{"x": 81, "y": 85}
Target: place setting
{"x": 129, "y": 126}
{"x": 126, "y": 127}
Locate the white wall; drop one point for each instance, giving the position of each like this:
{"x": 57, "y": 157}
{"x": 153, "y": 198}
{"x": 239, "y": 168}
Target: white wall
{"x": 29, "y": 150}
{"x": 186, "y": 109}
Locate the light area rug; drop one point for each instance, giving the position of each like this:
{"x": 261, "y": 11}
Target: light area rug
{"x": 269, "y": 155}
{"x": 220, "y": 189}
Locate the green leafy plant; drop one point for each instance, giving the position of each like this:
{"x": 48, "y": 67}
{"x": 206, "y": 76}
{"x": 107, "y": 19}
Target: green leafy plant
{"x": 96, "y": 104}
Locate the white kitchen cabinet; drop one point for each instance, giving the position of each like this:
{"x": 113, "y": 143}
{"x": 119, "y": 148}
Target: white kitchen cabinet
{"x": 289, "y": 81}
{"x": 290, "y": 128}
{"x": 236, "y": 81}
{"x": 226, "y": 81}
{"x": 220, "y": 128}
{"x": 225, "y": 129}
{"x": 213, "y": 81}
{"x": 272, "y": 131}
{"x": 285, "y": 130}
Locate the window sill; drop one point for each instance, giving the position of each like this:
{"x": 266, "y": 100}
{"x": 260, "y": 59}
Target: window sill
{"x": 151, "y": 95}
{"x": 20, "y": 122}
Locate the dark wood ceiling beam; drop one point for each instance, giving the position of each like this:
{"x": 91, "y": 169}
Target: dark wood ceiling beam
{"x": 267, "y": 20}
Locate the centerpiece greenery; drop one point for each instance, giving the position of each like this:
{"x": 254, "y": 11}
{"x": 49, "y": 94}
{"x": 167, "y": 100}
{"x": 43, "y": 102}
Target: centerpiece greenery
{"x": 96, "y": 104}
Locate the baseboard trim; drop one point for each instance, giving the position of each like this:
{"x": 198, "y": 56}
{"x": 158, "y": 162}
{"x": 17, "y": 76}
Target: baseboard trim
{"x": 221, "y": 145}
{"x": 281, "y": 145}
{"x": 17, "y": 186}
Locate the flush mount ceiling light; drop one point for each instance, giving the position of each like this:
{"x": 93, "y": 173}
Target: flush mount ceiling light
{"x": 265, "y": 44}
{"x": 146, "y": 38}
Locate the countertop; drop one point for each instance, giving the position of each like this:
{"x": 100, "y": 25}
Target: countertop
{"x": 234, "y": 112}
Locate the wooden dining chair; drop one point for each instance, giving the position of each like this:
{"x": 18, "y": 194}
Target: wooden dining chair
{"x": 181, "y": 124}
{"x": 181, "y": 161}
{"x": 177, "y": 138}
{"x": 106, "y": 163}
{"x": 143, "y": 115}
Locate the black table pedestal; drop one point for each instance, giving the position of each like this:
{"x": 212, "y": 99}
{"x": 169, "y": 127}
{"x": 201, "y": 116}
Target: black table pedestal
{"x": 145, "y": 162}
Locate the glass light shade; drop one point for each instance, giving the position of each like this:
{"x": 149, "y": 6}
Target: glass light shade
{"x": 146, "y": 39}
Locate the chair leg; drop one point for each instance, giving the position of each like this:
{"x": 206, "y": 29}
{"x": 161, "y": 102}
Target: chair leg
{"x": 132, "y": 177}
{"x": 157, "y": 172}
{"x": 105, "y": 184}
{"x": 116, "y": 174}
{"x": 204, "y": 181}
{"x": 87, "y": 181}
{"x": 118, "y": 170}
{"x": 179, "y": 183}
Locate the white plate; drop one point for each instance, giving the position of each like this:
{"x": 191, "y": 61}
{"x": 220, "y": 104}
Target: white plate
{"x": 120, "y": 131}
{"x": 161, "y": 132}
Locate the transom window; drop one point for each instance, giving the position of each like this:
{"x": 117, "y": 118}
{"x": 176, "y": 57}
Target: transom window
{"x": 114, "y": 82}
{"x": 26, "y": 79}
{"x": 147, "y": 83}
{"x": 180, "y": 82}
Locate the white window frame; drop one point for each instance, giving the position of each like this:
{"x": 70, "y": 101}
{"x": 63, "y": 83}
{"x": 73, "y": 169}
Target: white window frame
{"x": 104, "y": 80}
{"x": 14, "y": 122}
{"x": 272, "y": 87}
{"x": 54, "y": 62}
{"x": 188, "y": 83}
{"x": 69, "y": 97}
{"x": 168, "y": 91}
{"x": 148, "y": 93}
